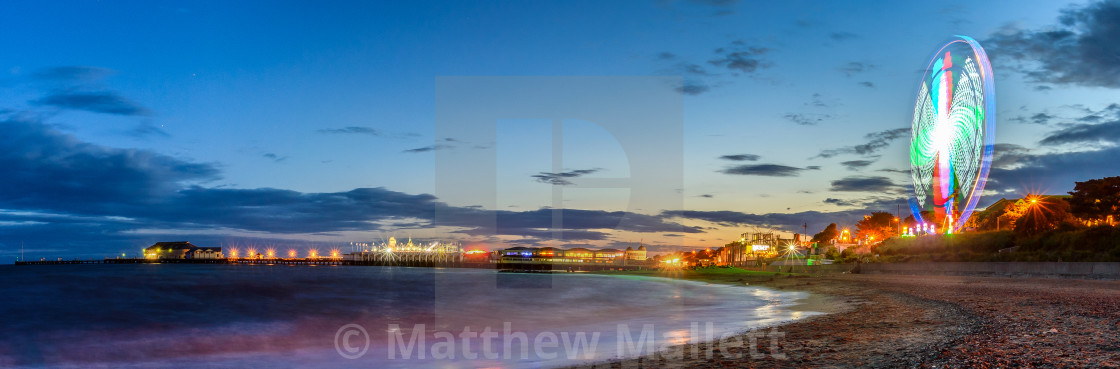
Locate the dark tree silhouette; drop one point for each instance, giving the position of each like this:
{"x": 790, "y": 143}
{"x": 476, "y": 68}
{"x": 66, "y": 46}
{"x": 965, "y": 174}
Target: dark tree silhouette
{"x": 1096, "y": 199}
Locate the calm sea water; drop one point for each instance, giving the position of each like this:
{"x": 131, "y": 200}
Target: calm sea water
{"x": 301, "y": 316}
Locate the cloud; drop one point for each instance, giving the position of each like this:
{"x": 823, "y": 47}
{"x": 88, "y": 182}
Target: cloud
{"x": 56, "y": 183}
{"x": 45, "y": 169}
{"x": 71, "y": 74}
{"x": 806, "y": 119}
{"x": 1009, "y": 155}
{"x": 734, "y": 59}
{"x": 768, "y": 170}
{"x": 1080, "y": 50}
{"x": 353, "y": 130}
{"x": 707, "y": 196}
{"x": 1110, "y": 112}
{"x": 428, "y": 148}
{"x": 1085, "y": 134}
{"x": 863, "y": 184}
{"x": 852, "y": 68}
{"x": 856, "y": 164}
{"x": 867, "y": 84}
{"x": 875, "y": 141}
{"x": 561, "y": 178}
{"x": 274, "y": 157}
{"x": 817, "y": 101}
{"x": 1040, "y": 119}
{"x": 741, "y": 58}
{"x": 740, "y": 157}
{"x": 692, "y": 88}
{"x": 147, "y": 129}
{"x": 783, "y": 221}
{"x": 1052, "y": 173}
{"x": 839, "y": 202}
{"x": 842, "y": 36}
{"x": 106, "y": 102}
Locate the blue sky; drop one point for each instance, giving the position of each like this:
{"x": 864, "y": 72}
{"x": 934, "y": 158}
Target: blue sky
{"x": 239, "y": 101}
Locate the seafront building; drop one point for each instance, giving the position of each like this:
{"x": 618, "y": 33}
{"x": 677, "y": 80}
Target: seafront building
{"x": 181, "y": 250}
{"x": 578, "y": 255}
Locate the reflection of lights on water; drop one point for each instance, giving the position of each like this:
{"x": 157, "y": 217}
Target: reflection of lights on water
{"x": 678, "y": 336}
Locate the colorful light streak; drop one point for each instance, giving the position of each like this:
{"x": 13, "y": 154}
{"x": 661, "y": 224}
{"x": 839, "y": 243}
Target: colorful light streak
{"x": 952, "y": 134}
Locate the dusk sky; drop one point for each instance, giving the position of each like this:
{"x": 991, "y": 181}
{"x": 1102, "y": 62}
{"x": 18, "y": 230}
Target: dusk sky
{"x": 127, "y": 123}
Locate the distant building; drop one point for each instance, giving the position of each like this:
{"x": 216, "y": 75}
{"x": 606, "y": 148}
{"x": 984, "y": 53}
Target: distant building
{"x": 639, "y": 254}
{"x": 181, "y": 250}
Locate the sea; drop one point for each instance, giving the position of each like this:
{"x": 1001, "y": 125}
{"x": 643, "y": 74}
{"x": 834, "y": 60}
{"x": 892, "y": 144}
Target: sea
{"x": 191, "y": 315}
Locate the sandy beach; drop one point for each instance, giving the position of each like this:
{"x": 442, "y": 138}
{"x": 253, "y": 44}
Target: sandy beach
{"x": 887, "y": 321}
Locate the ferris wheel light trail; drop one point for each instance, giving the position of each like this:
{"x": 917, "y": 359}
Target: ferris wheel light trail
{"x": 952, "y": 134}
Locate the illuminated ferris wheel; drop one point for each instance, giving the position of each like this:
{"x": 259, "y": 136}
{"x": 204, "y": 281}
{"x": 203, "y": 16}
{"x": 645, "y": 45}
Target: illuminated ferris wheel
{"x": 952, "y": 135}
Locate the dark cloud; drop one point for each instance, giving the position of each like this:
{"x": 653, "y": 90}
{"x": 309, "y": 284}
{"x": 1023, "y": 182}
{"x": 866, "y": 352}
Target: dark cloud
{"x": 274, "y": 157}
{"x": 863, "y": 184}
{"x": 1080, "y": 50}
{"x": 428, "y": 148}
{"x": 852, "y": 68}
{"x": 707, "y": 196}
{"x": 1110, "y": 112}
{"x": 45, "y": 169}
{"x": 806, "y": 119}
{"x": 740, "y": 157}
{"x": 735, "y": 59}
{"x": 106, "y": 102}
{"x": 692, "y": 88}
{"x": 813, "y": 167}
{"x": 693, "y": 69}
{"x": 856, "y": 164}
{"x": 71, "y": 74}
{"x": 1041, "y": 118}
{"x": 839, "y": 202}
{"x": 875, "y": 141}
{"x": 1053, "y": 173}
{"x": 768, "y": 170}
{"x": 57, "y": 183}
{"x": 354, "y": 130}
{"x": 741, "y": 58}
{"x": 867, "y": 84}
{"x": 1080, "y": 134}
{"x": 562, "y": 178}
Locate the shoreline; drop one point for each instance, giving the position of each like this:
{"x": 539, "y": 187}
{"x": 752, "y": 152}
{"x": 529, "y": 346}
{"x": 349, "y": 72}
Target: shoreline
{"x": 885, "y": 321}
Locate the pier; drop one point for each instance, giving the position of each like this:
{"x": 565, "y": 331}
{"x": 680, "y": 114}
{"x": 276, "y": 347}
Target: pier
{"x": 266, "y": 261}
